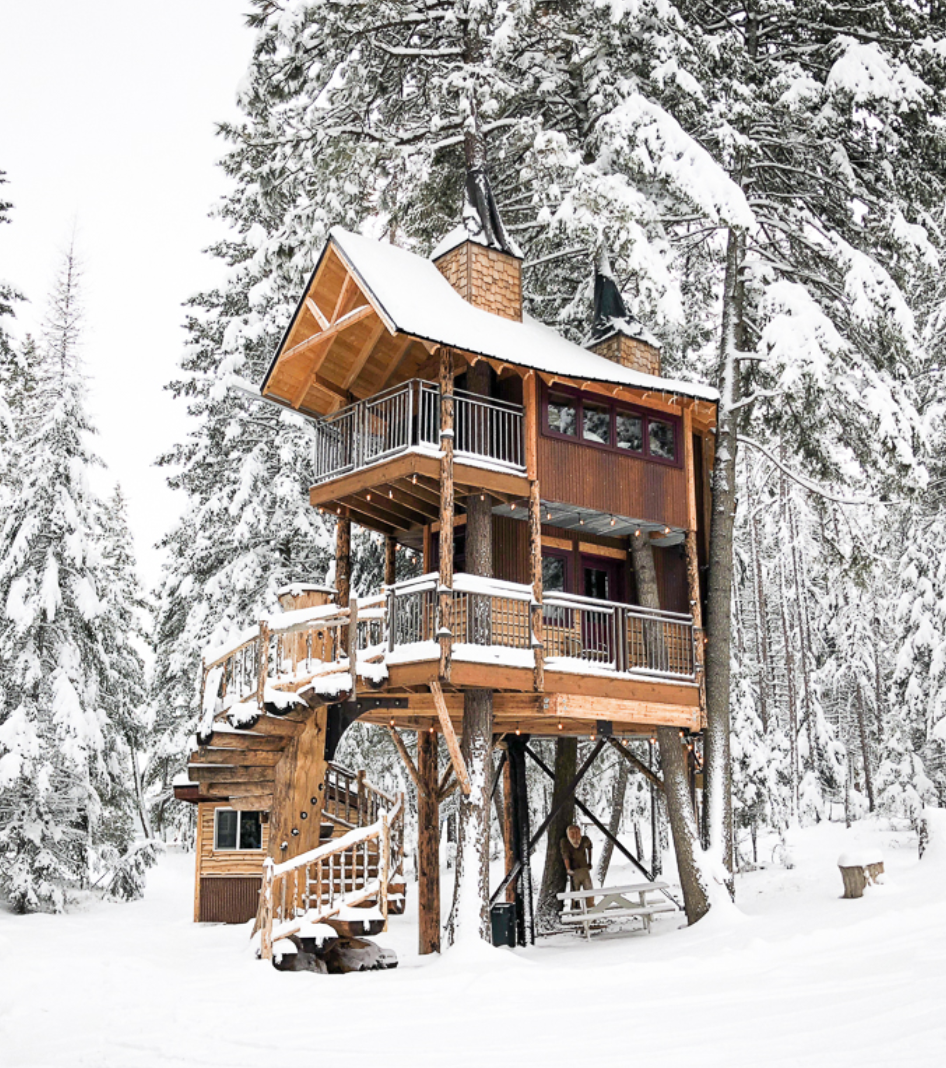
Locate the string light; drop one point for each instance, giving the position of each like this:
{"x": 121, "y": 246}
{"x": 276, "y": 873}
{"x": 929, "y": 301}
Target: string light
{"x": 518, "y": 731}
{"x": 392, "y": 722}
{"x": 613, "y": 521}
{"x": 369, "y": 496}
{"x": 666, "y": 530}
{"x": 637, "y": 533}
{"x": 512, "y": 506}
{"x": 391, "y": 495}
{"x": 559, "y": 726}
{"x": 414, "y": 480}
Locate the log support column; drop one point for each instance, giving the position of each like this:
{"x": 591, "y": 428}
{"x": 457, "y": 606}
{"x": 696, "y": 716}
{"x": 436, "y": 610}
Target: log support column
{"x": 390, "y": 560}
{"x": 428, "y": 843}
{"x": 445, "y": 633}
{"x": 531, "y": 430}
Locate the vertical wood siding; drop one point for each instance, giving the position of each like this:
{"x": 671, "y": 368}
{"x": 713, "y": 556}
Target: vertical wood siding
{"x": 607, "y": 482}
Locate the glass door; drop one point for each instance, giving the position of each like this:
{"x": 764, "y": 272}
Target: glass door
{"x": 600, "y": 581}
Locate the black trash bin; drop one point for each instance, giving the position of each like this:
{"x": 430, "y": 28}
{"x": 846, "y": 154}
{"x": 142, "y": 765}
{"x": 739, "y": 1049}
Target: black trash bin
{"x": 503, "y": 922}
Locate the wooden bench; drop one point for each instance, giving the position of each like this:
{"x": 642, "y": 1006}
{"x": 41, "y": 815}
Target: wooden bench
{"x": 598, "y": 907}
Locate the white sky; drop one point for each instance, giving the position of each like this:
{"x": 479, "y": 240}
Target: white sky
{"x": 107, "y": 113}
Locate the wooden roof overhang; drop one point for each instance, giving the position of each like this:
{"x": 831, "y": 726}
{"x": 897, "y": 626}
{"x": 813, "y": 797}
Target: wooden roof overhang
{"x": 340, "y": 345}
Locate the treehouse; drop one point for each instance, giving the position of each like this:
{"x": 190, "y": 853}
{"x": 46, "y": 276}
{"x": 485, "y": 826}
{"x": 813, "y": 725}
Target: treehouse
{"x": 429, "y": 390}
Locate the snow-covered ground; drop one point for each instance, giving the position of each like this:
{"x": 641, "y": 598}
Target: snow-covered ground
{"x": 801, "y": 977}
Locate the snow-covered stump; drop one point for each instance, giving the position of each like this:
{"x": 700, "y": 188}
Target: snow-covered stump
{"x": 859, "y": 871}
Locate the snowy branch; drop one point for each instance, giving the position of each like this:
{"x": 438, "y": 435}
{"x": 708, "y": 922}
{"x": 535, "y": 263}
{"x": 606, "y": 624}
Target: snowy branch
{"x": 806, "y": 483}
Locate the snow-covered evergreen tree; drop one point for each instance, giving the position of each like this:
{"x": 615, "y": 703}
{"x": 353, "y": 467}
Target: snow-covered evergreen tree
{"x": 62, "y": 796}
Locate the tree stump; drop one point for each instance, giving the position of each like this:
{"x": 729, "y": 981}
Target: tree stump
{"x": 857, "y": 875}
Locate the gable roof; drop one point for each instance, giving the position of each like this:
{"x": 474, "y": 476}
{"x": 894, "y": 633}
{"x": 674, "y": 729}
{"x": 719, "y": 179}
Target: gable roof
{"x": 413, "y": 298}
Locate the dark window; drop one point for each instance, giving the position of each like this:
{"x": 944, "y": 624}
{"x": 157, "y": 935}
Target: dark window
{"x": 661, "y": 439}
{"x": 597, "y": 423}
{"x": 630, "y": 431}
{"x": 563, "y": 415}
{"x": 611, "y": 425}
{"x": 251, "y": 831}
{"x": 554, "y": 574}
{"x": 237, "y": 830}
{"x": 597, "y": 584}
{"x": 227, "y": 827}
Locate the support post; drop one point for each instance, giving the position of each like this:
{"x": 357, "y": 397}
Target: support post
{"x": 509, "y": 825}
{"x": 521, "y": 884}
{"x": 390, "y": 560}
{"x": 530, "y": 400}
{"x": 342, "y": 575}
{"x": 445, "y": 633}
{"x": 692, "y": 559}
{"x": 428, "y": 844}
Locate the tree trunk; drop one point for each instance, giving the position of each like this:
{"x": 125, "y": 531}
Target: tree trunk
{"x": 865, "y": 746}
{"x": 618, "y": 794}
{"x": 471, "y": 891}
{"x": 428, "y": 845}
{"x": 717, "y": 767}
{"x": 553, "y": 875}
{"x": 673, "y": 761}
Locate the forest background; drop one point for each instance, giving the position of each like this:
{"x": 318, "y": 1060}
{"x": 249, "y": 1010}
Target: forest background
{"x": 768, "y": 178}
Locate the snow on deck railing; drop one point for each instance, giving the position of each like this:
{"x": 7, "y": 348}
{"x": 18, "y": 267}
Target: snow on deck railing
{"x": 318, "y": 884}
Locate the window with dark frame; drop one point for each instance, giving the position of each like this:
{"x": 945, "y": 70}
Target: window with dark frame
{"x": 237, "y": 830}
{"x": 611, "y": 425}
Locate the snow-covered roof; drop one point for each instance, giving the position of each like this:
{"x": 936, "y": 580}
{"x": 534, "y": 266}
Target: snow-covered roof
{"x": 414, "y": 298}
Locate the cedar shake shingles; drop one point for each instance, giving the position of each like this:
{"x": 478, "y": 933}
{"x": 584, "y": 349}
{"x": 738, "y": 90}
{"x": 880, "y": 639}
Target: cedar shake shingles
{"x": 486, "y": 277}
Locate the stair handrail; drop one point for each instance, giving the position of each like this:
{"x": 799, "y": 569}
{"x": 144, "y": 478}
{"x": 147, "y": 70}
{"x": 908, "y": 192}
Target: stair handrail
{"x": 282, "y": 903}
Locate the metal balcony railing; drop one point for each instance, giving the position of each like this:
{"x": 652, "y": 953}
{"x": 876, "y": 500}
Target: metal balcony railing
{"x": 408, "y": 417}
{"x": 578, "y": 631}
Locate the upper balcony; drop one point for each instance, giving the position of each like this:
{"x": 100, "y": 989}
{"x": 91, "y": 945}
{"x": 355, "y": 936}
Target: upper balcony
{"x": 389, "y": 445}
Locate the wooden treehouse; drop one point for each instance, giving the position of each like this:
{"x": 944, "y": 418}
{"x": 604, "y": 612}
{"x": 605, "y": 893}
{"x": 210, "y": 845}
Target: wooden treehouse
{"x": 429, "y": 389}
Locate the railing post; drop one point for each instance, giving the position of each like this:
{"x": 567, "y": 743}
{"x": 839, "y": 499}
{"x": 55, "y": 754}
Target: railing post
{"x": 391, "y": 618}
{"x": 262, "y": 663}
{"x": 266, "y": 909}
{"x": 384, "y": 865}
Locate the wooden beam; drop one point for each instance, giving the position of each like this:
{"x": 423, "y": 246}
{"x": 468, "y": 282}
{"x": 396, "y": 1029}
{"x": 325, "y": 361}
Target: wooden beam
{"x": 328, "y": 334}
{"x": 261, "y": 803}
{"x": 216, "y": 773}
{"x": 262, "y": 758}
{"x": 637, "y": 765}
{"x": 216, "y": 790}
{"x": 316, "y": 313}
{"x": 249, "y": 740}
{"x": 390, "y": 560}
{"x": 278, "y": 727}
{"x": 343, "y": 295}
{"x": 395, "y": 365}
{"x": 453, "y": 745}
{"x": 363, "y": 356}
{"x": 408, "y": 763}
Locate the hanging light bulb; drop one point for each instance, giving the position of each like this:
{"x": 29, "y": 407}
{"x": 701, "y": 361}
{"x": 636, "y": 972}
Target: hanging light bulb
{"x": 637, "y": 533}
{"x": 666, "y": 530}
{"x": 613, "y": 521}
{"x": 414, "y": 480}
{"x": 369, "y": 496}
{"x": 392, "y": 722}
{"x": 581, "y": 521}
{"x": 559, "y": 726}
{"x": 512, "y": 506}
{"x": 518, "y": 731}
{"x": 391, "y": 495}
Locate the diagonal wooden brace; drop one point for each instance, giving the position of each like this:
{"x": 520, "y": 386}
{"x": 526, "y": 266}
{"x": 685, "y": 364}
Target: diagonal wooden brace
{"x": 453, "y": 746}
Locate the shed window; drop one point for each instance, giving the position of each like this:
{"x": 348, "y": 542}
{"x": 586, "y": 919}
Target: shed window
{"x": 563, "y": 415}
{"x": 237, "y": 830}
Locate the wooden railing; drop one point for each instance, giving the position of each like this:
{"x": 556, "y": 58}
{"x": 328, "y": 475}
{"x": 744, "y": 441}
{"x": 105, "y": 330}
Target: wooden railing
{"x": 342, "y": 874}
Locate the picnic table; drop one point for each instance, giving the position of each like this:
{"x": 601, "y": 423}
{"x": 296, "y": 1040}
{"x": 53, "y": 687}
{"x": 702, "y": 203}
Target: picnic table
{"x": 598, "y": 906}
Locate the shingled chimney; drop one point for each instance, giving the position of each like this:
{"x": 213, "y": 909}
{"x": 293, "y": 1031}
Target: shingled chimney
{"x": 615, "y": 333}
{"x": 479, "y": 259}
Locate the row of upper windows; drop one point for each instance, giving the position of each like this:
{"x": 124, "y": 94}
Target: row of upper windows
{"x": 611, "y": 425}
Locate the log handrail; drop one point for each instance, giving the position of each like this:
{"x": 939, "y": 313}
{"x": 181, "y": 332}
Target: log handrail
{"x": 287, "y": 898}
